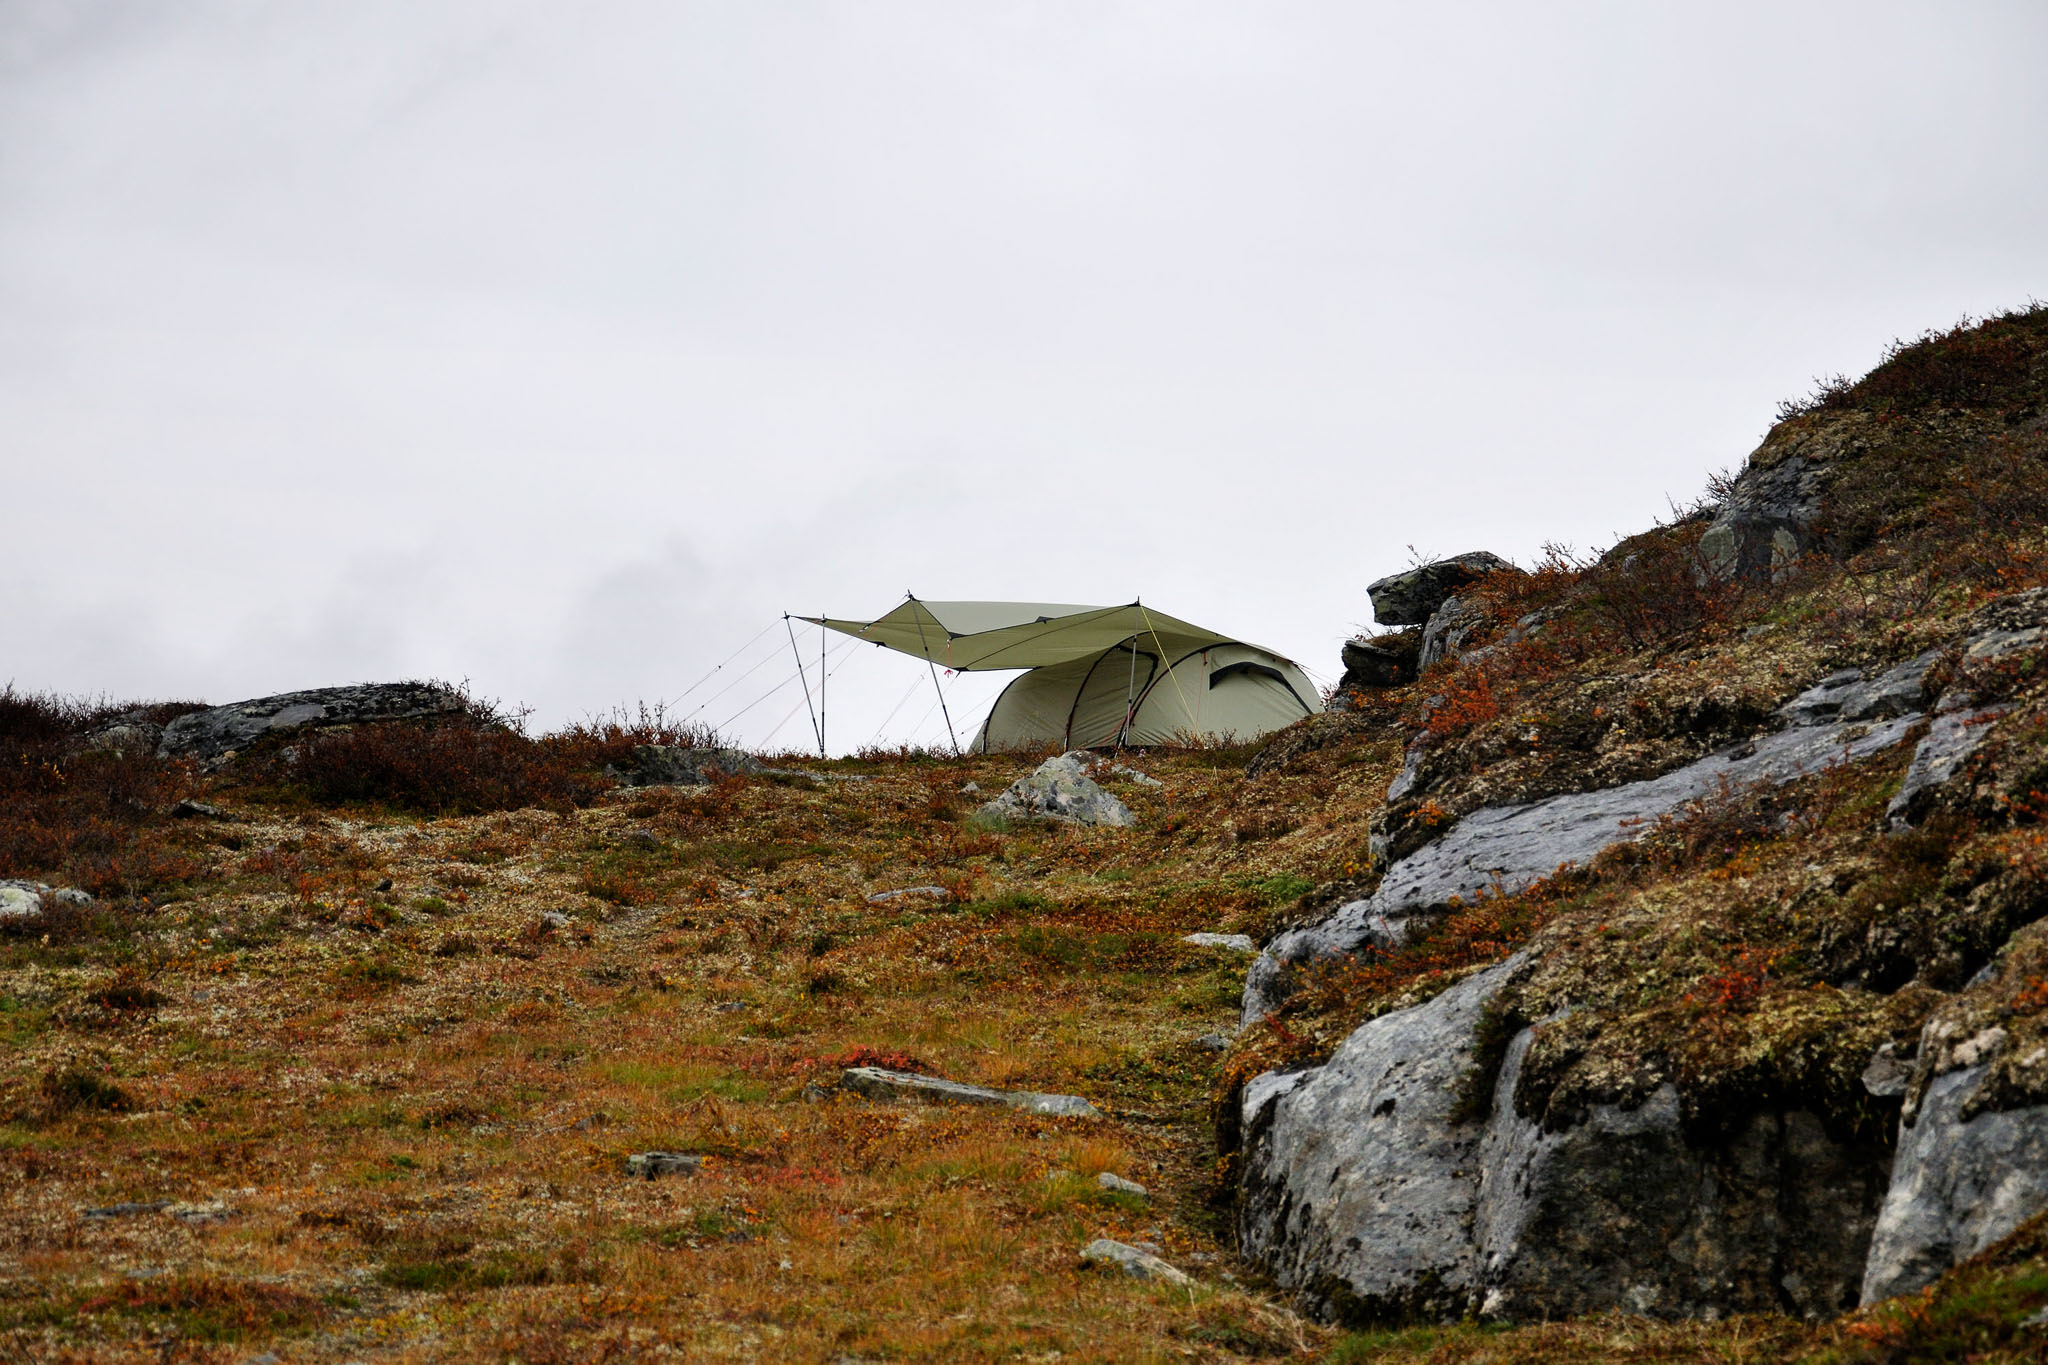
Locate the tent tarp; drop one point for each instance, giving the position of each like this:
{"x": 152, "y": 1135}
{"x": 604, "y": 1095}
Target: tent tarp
{"x": 989, "y": 635}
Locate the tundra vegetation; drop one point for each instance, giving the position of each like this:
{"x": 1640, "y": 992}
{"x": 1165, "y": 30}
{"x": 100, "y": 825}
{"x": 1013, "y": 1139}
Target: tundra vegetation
{"x": 347, "y": 1061}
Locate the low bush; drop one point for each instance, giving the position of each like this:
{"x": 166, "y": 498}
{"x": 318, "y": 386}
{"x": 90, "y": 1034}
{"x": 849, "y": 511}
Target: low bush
{"x": 601, "y": 741}
{"x": 79, "y": 815}
{"x": 462, "y": 767}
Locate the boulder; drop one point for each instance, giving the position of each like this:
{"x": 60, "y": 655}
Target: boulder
{"x": 1411, "y": 597}
{"x": 1381, "y": 661}
{"x": 213, "y": 736}
{"x": 1502, "y": 849}
{"x": 1358, "y": 1180}
{"x": 1110, "y": 1183}
{"x": 21, "y": 901}
{"x": 1060, "y": 789}
{"x": 878, "y": 1083}
{"x": 666, "y": 765}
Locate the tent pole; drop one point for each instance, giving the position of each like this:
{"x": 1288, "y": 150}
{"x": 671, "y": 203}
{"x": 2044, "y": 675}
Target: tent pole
{"x": 1130, "y": 687}
{"x": 815, "y": 730}
{"x": 933, "y": 665}
{"x": 821, "y": 685}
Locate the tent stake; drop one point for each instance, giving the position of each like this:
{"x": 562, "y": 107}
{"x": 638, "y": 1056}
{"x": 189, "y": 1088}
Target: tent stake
{"x": 816, "y": 729}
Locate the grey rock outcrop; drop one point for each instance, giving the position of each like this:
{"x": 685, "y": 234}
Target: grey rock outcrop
{"x": 1773, "y": 509}
{"x": 665, "y": 765}
{"x": 1385, "y": 661}
{"x": 1060, "y": 789}
{"x": 1111, "y": 1183}
{"x": 1411, "y": 597}
{"x": 1950, "y": 740}
{"x": 1622, "y": 1211}
{"x": 1972, "y": 1160}
{"x": 217, "y": 734}
{"x": 1359, "y": 1188}
{"x": 1369, "y": 1195}
{"x": 1848, "y": 695}
{"x": 878, "y": 1083}
{"x": 1502, "y": 849}
{"x": 1958, "y": 1185}
{"x": 1450, "y": 632}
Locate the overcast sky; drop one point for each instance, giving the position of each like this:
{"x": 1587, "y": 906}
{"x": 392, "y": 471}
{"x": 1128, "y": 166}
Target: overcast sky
{"x": 563, "y": 347}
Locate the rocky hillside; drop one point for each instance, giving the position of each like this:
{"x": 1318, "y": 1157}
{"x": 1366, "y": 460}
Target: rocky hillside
{"x": 1696, "y": 967}
{"x": 1644, "y": 959}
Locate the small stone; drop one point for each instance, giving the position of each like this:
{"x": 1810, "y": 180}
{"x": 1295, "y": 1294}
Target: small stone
{"x": 555, "y": 919}
{"x": 970, "y": 789}
{"x": 195, "y": 810}
{"x": 650, "y": 1165}
{"x": 642, "y": 838}
{"x": 126, "y": 1210}
{"x": 1235, "y": 943}
{"x": 1213, "y": 1042}
{"x": 200, "y": 1215}
{"x": 1116, "y": 1184}
{"x": 878, "y": 1083}
{"x": 938, "y": 893}
{"x": 1142, "y": 1265}
{"x": 1886, "y": 1076}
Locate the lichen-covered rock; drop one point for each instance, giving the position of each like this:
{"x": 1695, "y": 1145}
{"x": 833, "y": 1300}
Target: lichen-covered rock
{"x": 1772, "y": 512}
{"x": 1950, "y": 740}
{"x": 1411, "y": 597}
{"x": 216, "y": 734}
{"x": 22, "y": 901}
{"x": 664, "y": 765}
{"x": 1452, "y": 628}
{"x": 1358, "y": 1180}
{"x": 1381, "y": 661}
{"x": 1621, "y": 1210}
{"x": 1502, "y": 849}
{"x": 1848, "y": 695}
{"x": 1060, "y": 789}
{"x": 1958, "y": 1185}
{"x": 1972, "y": 1160}
{"x": 1374, "y": 1189}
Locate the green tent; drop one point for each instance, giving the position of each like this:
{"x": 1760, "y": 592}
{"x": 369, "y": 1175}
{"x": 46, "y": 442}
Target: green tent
{"x": 1098, "y": 676}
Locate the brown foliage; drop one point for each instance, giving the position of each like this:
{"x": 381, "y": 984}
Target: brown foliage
{"x": 463, "y": 767}
{"x": 76, "y": 815}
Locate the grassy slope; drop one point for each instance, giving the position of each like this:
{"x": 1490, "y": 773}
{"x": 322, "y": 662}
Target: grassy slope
{"x": 413, "y": 1103}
